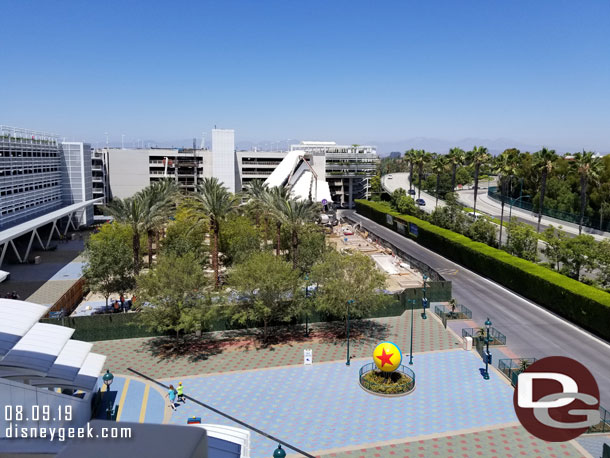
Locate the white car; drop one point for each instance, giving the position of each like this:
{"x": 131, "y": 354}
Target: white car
{"x": 474, "y": 216}
{"x": 389, "y": 177}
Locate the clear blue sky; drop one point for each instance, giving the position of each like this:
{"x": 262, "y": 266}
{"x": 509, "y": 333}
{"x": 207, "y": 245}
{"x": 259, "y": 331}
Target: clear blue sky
{"x": 354, "y": 71}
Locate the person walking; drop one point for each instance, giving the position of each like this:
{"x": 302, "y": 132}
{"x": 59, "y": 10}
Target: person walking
{"x": 171, "y": 395}
{"x": 181, "y": 393}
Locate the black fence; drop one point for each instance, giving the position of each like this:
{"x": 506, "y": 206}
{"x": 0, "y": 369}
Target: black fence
{"x": 461, "y": 312}
{"x": 495, "y": 336}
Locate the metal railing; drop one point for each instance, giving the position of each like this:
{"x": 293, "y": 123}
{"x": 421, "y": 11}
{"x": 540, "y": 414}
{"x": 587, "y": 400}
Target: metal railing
{"x": 496, "y": 337}
{"x": 592, "y": 222}
{"x": 461, "y": 312}
{"x": 604, "y": 423}
{"x": 405, "y": 387}
{"x": 511, "y": 368}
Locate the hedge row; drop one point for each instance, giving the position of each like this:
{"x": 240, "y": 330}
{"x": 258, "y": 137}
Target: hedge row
{"x": 582, "y": 304}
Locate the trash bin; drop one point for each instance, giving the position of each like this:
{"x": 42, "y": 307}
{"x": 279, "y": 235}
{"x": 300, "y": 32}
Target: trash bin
{"x": 467, "y": 343}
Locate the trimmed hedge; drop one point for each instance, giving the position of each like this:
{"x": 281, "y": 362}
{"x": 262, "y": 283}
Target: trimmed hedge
{"x": 582, "y": 304}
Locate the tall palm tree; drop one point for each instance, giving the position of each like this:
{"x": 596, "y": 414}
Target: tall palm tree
{"x": 421, "y": 158}
{"x": 158, "y": 200}
{"x": 273, "y": 199}
{"x": 439, "y": 164}
{"x": 410, "y": 156}
{"x": 215, "y": 201}
{"x": 589, "y": 168}
{"x": 506, "y": 168}
{"x": 545, "y": 161}
{"x": 477, "y": 156}
{"x": 131, "y": 211}
{"x": 294, "y": 214}
{"x": 456, "y": 158}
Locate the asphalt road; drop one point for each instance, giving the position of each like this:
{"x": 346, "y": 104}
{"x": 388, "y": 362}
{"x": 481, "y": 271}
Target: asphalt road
{"x": 531, "y": 331}
{"x": 401, "y": 180}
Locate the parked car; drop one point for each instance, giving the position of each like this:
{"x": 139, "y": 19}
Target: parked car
{"x": 420, "y": 202}
{"x": 474, "y": 216}
{"x": 412, "y": 192}
{"x": 389, "y": 177}
{"x": 348, "y": 231}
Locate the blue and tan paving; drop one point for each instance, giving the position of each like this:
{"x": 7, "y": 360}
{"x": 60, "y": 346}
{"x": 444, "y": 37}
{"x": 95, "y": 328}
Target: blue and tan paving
{"x": 322, "y": 409}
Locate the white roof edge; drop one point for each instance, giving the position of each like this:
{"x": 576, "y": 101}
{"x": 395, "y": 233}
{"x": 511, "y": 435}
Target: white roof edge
{"x": 48, "y": 339}
{"x": 93, "y": 365}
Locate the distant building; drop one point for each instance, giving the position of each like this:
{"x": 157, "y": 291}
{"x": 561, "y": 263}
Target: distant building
{"x": 395, "y": 155}
{"x": 77, "y": 178}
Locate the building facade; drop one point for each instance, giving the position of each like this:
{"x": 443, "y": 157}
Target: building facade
{"x": 30, "y": 175}
{"x": 99, "y": 179}
{"x": 77, "y": 177}
{"x": 223, "y": 158}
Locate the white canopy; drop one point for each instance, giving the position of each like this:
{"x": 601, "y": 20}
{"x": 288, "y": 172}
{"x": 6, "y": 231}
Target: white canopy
{"x": 89, "y": 372}
{"x": 16, "y": 318}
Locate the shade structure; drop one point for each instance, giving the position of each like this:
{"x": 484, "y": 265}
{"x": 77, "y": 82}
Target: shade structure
{"x": 67, "y": 365}
{"x": 16, "y": 319}
{"x": 37, "y": 350}
{"x": 89, "y": 372}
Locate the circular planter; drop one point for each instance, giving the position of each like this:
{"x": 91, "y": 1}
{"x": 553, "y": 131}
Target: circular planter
{"x": 373, "y": 381}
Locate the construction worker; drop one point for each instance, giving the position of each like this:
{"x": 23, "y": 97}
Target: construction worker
{"x": 181, "y": 393}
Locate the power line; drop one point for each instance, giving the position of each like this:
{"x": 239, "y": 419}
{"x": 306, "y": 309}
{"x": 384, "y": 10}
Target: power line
{"x": 256, "y": 430}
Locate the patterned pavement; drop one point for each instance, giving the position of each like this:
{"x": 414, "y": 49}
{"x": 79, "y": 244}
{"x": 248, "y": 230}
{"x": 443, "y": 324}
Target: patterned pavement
{"x": 226, "y": 352}
{"x": 594, "y": 443}
{"x": 507, "y": 442}
{"x": 322, "y": 406}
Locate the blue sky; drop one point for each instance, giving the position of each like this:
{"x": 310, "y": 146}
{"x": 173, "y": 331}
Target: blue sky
{"x": 353, "y": 71}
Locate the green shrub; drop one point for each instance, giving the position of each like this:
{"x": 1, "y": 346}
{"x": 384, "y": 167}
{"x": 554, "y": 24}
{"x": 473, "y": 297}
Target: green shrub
{"x": 582, "y": 304}
{"x": 392, "y": 383}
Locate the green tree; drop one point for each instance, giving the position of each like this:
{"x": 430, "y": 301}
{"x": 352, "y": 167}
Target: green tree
{"x": 109, "y": 263}
{"x": 376, "y": 184}
{"x": 177, "y": 294}
{"x": 456, "y": 158}
{"x": 273, "y": 198}
{"x": 554, "y": 239}
{"x": 406, "y": 206}
{"x": 482, "y": 230}
{"x": 579, "y": 253}
{"x": 186, "y": 233}
{"x": 478, "y": 156}
{"x": 588, "y": 167}
{"x": 421, "y": 158}
{"x": 506, "y": 168}
{"x": 410, "y": 157}
{"x": 343, "y": 277}
{"x": 312, "y": 246}
{"x": 239, "y": 238}
{"x": 544, "y": 161}
{"x": 294, "y": 214}
{"x": 603, "y": 262}
{"x": 397, "y": 194}
{"x": 214, "y": 203}
{"x": 266, "y": 286}
{"x": 522, "y": 240}
{"x": 439, "y": 165}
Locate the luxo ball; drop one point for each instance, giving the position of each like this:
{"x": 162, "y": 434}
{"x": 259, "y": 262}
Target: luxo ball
{"x": 387, "y": 356}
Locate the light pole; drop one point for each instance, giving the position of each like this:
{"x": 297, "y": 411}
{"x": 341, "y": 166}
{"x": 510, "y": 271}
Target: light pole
{"x": 350, "y": 302}
{"x": 424, "y": 300}
{"x": 412, "y": 301}
{"x": 306, "y": 305}
{"x": 108, "y": 378}
{"x": 487, "y": 356}
{"x": 279, "y": 452}
{"x": 510, "y": 211}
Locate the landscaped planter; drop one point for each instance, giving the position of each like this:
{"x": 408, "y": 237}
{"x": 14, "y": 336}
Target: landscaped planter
{"x": 391, "y": 384}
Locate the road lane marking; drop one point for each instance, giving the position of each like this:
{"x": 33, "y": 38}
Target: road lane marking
{"x": 122, "y": 400}
{"x": 144, "y": 403}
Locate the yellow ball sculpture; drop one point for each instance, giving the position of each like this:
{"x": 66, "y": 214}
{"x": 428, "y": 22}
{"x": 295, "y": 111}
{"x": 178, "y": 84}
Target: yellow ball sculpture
{"x": 387, "y": 356}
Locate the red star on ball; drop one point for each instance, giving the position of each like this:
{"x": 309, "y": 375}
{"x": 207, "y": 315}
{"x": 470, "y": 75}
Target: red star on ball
{"x": 385, "y": 358}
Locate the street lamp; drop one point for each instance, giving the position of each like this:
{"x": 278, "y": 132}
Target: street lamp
{"x": 279, "y": 452}
{"x": 306, "y": 305}
{"x": 510, "y": 211}
{"x": 350, "y": 302}
{"x": 412, "y": 302}
{"x": 487, "y": 356}
{"x": 424, "y": 300}
{"x": 108, "y": 378}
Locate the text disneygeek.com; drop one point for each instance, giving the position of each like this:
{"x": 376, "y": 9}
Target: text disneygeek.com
{"x": 60, "y": 434}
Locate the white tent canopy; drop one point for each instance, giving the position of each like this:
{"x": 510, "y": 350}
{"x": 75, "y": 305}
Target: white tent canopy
{"x": 16, "y": 319}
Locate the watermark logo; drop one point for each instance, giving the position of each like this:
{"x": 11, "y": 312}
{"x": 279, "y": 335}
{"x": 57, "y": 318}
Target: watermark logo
{"x": 557, "y": 399}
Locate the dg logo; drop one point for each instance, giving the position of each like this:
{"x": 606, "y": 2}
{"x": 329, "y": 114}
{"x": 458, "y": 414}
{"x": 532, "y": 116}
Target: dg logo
{"x": 557, "y": 399}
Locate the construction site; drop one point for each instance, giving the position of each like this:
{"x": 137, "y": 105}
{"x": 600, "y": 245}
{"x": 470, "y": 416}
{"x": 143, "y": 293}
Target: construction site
{"x": 400, "y": 273}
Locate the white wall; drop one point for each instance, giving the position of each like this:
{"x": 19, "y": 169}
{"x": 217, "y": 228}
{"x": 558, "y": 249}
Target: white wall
{"x": 223, "y": 158}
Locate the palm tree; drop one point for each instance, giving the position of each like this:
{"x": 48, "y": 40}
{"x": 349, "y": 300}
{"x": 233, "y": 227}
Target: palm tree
{"x": 131, "y": 211}
{"x": 545, "y": 161}
{"x": 410, "y": 156}
{"x": 589, "y": 168}
{"x": 215, "y": 201}
{"x": 273, "y": 199}
{"x": 158, "y": 200}
{"x": 294, "y": 214}
{"x": 255, "y": 192}
{"x": 456, "y": 158}
{"x": 438, "y": 167}
{"x": 477, "y": 156}
{"x": 506, "y": 168}
{"x": 421, "y": 157}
